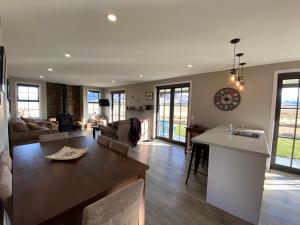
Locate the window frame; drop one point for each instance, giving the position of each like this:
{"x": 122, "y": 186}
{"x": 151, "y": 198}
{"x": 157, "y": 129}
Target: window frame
{"x": 119, "y": 92}
{"x": 99, "y": 96}
{"x": 26, "y": 84}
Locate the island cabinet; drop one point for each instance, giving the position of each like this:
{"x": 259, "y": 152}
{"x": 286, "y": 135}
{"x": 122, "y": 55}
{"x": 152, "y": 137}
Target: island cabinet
{"x": 236, "y": 170}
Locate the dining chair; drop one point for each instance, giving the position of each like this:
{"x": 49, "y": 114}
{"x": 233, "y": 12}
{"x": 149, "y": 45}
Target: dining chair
{"x": 5, "y": 182}
{"x": 120, "y": 208}
{"x": 6, "y": 159}
{"x": 119, "y": 147}
{"x": 53, "y": 137}
{"x": 105, "y": 141}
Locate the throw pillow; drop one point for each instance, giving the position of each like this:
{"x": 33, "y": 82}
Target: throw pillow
{"x": 28, "y": 119}
{"x": 20, "y": 126}
{"x": 33, "y": 126}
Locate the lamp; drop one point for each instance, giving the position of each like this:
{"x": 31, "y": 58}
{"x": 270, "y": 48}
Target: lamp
{"x": 103, "y": 102}
{"x": 238, "y": 77}
{"x": 242, "y": 82}
{"x": 233, "y": 73}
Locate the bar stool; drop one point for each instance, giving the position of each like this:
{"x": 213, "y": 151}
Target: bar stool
{"x": 201, "y": 152}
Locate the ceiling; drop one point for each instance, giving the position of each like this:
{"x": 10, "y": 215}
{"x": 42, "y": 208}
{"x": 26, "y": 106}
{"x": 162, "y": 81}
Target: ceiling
{"x": 156, "y": 38}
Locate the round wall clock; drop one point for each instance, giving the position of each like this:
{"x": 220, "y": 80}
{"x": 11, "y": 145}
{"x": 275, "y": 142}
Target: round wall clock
{"x": 227, "y": 99}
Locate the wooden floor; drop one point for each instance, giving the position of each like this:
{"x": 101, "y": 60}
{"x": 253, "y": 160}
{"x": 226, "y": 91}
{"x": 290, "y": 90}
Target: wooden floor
{"x": 170, "y": 202}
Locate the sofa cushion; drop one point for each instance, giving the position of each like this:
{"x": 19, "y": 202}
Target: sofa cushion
{"x": 19, "y": 125}
{"x": 28, "y": 119}
{"x": 33, "y": 126}
{"x": 31, "y": 134}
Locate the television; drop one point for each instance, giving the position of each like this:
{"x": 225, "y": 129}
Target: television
{"x": 2, "y": 69}
{"x": 103, "y": 102}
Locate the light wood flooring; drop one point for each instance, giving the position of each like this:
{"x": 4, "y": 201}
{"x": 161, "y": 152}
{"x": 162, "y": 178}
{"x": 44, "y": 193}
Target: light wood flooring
{"x": 170, "y": 202}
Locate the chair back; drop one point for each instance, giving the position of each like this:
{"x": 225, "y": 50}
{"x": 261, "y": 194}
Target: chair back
{"x": 119, "y": 147}
{"x": 105, "y": 141}
{"x": 53, "y": 137}
{"x": 120, "y": 208}
{"x": 5, "y": 182}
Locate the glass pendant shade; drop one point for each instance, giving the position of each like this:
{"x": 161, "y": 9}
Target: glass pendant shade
{"x": 232, "y": 75}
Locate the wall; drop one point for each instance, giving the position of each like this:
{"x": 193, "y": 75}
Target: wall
{"x": 55, "y": 100}
{"x": 4, "y": 115}
{"x": 43, "y": 94}
{"x": 253, "y": 111}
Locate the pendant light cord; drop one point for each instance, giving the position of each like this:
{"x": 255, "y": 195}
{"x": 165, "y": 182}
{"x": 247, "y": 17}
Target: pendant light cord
{"x": 233, "y": 67}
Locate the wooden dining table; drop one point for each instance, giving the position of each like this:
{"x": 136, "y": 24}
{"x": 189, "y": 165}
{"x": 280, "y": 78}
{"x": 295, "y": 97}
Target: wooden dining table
{"x": 55, "y": 192}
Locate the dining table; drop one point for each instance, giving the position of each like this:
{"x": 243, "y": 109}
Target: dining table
{"x": 49, "y": 192}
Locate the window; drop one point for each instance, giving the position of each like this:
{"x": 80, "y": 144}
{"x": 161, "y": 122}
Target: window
{"x": 93, "y": 102}
{"x": 118, "y": 99}
{"x": 28, "y": 100}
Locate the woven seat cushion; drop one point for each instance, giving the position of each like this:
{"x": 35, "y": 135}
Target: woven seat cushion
{"x": 6, "y": 159}
{"x": 105, "y": 141}
{"x": 5, "y": 183}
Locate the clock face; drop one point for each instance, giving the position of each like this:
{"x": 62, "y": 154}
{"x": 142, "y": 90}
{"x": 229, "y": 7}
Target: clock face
{"x": 227, "y": 99}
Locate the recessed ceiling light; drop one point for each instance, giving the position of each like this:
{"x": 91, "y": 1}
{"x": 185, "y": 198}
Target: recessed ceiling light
{"x": 113, "y": 81}
{"x": 141, "y": 75}
{"x": 67, "y": 55}
{"x": 190, "y": 65}
{"x": 42, "y": 77}
{"x": 50, "y": 69}
{"x": 112, "y": 17}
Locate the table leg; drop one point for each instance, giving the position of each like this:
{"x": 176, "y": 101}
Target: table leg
{"x": 186, "y": 141}
{"x": 94, "y": 133}
{"x": 142, "y": 208}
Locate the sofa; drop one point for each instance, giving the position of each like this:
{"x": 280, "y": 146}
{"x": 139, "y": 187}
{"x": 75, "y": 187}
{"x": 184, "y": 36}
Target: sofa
{"x": 120, "y": 130}
{"x": 27, "y": 130}
{"x": 96, "y": 120}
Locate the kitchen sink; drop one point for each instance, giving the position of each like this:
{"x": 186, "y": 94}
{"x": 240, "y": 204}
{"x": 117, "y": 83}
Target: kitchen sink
{"x": 246, "y": 134}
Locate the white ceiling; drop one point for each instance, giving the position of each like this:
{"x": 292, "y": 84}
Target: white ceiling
{"x": 156, "y": 38}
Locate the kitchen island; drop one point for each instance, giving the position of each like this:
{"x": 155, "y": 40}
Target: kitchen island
{"x": 236, "y": 170}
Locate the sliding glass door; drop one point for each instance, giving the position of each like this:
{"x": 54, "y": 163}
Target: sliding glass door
{"x": 286, "y": 144}
{"x": 172, "y": 112}
{"x": 118, "y": 100}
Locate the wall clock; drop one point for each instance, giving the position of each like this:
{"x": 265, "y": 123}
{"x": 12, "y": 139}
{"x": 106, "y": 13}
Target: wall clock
{"x": 227, "y": 99}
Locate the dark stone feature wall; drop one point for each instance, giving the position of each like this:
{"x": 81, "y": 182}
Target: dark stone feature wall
{"x": 55, "y": 100}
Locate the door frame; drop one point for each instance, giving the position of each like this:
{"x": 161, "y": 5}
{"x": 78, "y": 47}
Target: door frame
{"x": 116, "y": 91}
{"x": 156, "y": 99}
{"x": 275, "y": 114}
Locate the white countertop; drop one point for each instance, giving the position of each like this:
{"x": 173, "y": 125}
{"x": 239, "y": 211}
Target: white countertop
{"x": 220, "y": 136}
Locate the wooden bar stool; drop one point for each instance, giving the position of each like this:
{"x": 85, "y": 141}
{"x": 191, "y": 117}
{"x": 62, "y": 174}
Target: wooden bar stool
{"x": 201, "y": 153}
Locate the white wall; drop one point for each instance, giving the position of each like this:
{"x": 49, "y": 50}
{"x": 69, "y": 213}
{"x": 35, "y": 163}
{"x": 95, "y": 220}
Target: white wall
{"x": 3, "y": 113}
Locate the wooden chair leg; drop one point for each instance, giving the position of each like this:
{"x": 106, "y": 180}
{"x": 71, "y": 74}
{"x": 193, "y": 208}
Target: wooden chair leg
{"x": 191, "y": 162}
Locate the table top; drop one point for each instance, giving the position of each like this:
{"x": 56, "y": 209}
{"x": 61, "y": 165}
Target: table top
{"x": 44, "y": 189}
{"x": 221, "y": 137}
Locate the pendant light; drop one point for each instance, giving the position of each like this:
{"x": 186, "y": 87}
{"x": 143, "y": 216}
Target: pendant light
{"x": 242, "y": 82}
{"x": 238, "y": 77}
{"x": 233, "y": 73}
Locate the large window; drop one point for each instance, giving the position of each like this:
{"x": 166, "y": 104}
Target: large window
{"x": 93, "y": 102}
{"x": 28, "y": 100}
{"x": 118, "y": 99}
